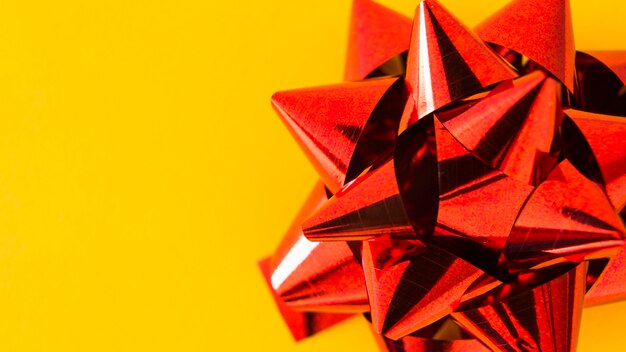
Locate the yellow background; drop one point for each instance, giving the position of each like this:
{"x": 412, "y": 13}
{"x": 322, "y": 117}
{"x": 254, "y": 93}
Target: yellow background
{"x": 143, "y": 172}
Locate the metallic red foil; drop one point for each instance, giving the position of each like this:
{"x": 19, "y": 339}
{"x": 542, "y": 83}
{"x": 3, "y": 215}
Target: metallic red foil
{"x": 546, "y": 318}
{"x": 378, "y": 35}
{"x": 614, "y": 60}
{"x": 412, "y": 285}
{"x": 606, "y": 136}
{"x": 601, "y": 76}
{"x": 447, "y": 61}
{"x": 538, "y": 29}
{"x": 327, "y": 122}
{"x": 470, "y": 223}
{"x": 567, "y": 218}
{"x": 300, "y": 324}
{"x": 314, "y": 276}
{"x": 474, "y": 192}
{"x": 417, "y": 344}
{"x": 370, "y": 206}
{"x": 443, "y": 336}
{"x": 514, "y": 128}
